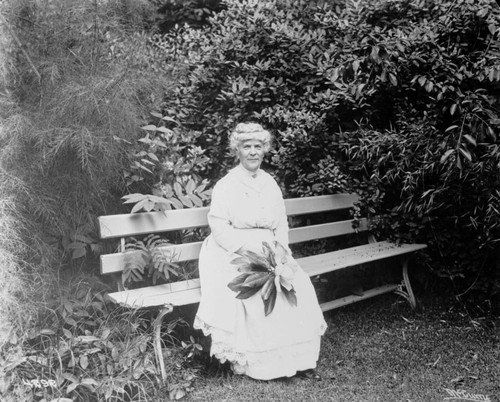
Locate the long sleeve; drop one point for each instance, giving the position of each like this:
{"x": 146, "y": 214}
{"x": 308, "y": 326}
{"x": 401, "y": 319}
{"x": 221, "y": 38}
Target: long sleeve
{"x": 282, "y": 228}
{"x": 219, "y": 220}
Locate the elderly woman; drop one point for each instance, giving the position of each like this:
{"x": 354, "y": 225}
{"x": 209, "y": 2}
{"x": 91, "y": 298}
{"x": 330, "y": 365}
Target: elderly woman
{"x": 247, "y": 208}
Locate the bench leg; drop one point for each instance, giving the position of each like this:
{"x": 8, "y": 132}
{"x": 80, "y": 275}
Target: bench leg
{"x": 405, "y": 289}
{"x": 157, "y": 339}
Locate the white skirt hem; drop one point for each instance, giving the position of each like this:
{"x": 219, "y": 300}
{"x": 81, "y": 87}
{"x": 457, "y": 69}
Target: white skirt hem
{"x": 280, "y": 361}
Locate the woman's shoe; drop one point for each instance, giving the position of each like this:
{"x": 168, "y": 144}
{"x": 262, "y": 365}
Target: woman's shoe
{"x": 310, "y": 374}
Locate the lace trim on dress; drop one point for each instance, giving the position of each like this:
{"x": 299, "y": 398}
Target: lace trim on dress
{"x": 221, "y": 341}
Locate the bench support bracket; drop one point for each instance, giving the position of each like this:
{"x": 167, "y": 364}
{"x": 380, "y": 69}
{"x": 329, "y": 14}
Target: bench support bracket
{"x": 405, "y": 289}
{"x": 167, "y": 309}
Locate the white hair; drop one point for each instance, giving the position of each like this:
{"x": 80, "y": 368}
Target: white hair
{"x": 249, "y": 131}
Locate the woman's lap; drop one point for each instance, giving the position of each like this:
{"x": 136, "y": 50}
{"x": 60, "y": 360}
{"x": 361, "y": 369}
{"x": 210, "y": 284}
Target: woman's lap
{"x": 259, "y": 345}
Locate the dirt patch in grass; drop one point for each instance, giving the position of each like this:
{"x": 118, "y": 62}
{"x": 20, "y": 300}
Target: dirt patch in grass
{"x": 381, "y": 350}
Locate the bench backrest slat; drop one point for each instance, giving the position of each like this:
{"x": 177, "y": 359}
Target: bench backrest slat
{"x": 111, "y": 263}
{"x": 123, "y": 225}
{"x": 324, "y": 230}
{"x": 320, "y": 203}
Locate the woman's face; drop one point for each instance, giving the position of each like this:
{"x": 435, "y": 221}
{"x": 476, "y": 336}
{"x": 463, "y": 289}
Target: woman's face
{"x": 250, "y": 153}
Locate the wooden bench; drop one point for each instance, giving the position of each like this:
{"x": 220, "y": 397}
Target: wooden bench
{"x": 167, "y": 296}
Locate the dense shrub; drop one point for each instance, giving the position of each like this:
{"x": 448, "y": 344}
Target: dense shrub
{"x": 76, "y": 84}
{"x": 76, "y": 107}
{"x": 396, "y": 100}
{"x": 194, "y": 13}
{"x": 436, "y": 165}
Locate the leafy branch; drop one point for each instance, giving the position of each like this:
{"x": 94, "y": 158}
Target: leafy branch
{"x": 269, "y": 273}
{"x": 168, "y": 197}
{"x": 150, "y": 260}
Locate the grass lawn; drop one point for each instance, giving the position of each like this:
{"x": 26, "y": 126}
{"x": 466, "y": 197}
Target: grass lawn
{"x": 381, "y": 350}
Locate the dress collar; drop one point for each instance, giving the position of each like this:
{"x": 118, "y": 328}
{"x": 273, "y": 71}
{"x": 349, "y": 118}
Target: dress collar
{"x": 246, "y": 173}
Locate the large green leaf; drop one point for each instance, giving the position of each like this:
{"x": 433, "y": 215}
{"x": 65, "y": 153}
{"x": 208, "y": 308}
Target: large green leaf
{"x": 270, "y": 302}
{"x": 267, "y": 288}
{"x": 291, "y": 296}
{"x": 268, "y": 251}
{"x": 241, "y": 260}
{"x": 255, "y": 258}
{"x": 248, "y": 261}
{"x": 280, "y": 253}
{"x": 250, "y": 267}
{"x": 236, "y": 283}
{"x": 285, "y": 283}
{"x": 247, "y": 292}
{"x": 256, "y": 280}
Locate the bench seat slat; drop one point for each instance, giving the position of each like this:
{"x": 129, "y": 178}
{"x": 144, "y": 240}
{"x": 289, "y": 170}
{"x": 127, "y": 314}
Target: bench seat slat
{"x": 332, "y": 261}
{"x": 177, "y": 293}
{"x": 188, "y": 292}
{"x": 132, "y": 300}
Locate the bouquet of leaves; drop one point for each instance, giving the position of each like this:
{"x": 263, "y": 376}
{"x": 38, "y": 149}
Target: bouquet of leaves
{"x": 269, "y": 273}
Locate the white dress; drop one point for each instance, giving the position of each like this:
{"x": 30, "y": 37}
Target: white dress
{"x": 245, "y": 211}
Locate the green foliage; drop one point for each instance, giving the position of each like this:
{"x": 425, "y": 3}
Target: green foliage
{"x": 77, "y": 82}
{"x": 85, "y": 349}
{"x": 244, "y": 67}
{"x": 11, "y": 246}
{"x": 195, "y": 13}
{"x": 395, "y": 100}
{"x": 149, "y": 261}
{"x": 267, "y": 273}
{"x": 73, "y": 107}
{"x": 435, "y": 168}
{"x": 167, "y": 163}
